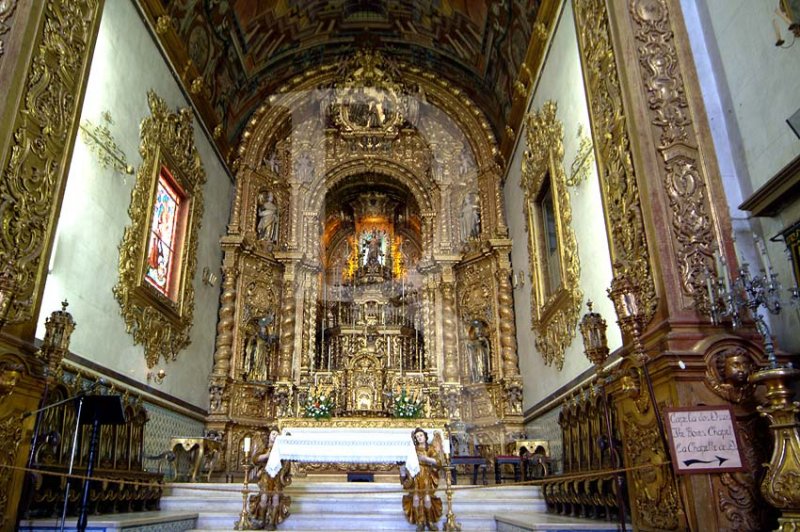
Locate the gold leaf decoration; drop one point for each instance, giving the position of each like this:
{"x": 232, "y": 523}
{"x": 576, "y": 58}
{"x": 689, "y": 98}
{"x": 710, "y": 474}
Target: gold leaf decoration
{"x": 554, "y": 315}
{"x": 43, "y": 128}
{"x": 620, "y": 191}
{"x": 157, "y": 322}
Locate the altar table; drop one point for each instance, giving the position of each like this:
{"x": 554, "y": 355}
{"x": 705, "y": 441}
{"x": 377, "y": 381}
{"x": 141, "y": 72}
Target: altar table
{"x": 347, "y": 445}
{"x": 205, "y": 451}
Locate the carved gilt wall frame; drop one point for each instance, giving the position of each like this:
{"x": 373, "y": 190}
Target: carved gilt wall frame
{"x": 41, "y": 133}
{"x": 554, "y": 313}
{"x": 620, "y": 190}
{"x": 161, "y": 324}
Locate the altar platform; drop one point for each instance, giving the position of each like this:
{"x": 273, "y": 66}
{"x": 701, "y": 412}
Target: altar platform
{"x": 328, "y": 502}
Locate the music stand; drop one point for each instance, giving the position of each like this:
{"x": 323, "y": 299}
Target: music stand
{"x": 95, "y": 410}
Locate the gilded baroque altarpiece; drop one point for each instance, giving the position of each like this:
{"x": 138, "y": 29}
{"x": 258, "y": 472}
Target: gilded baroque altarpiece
{"x": 366, "y": 257}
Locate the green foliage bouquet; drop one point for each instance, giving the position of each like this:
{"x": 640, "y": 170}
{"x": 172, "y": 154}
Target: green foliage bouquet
{"x": 318, "y": 405}
{"x": 406, "y": 405}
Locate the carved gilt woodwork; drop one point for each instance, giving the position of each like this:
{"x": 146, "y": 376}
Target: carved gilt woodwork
{"x": 371, "y": 123}
{"x": 554, "y": 311}
{"x": 610, "y": 133}
{"x": 682, "y": 173}
{"x": 44, "y": 129}
{"x": 654, "y": 499}
{"x": 161, "y": 324}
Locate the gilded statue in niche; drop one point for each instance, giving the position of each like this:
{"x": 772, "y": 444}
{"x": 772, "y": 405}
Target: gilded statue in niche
{"x": 259, "y": 349}
{"x": 160, "y": 320}
{"x": 479, "y": 351}
{"x": 470, "y": 223}
{"x": 552, "y": 247}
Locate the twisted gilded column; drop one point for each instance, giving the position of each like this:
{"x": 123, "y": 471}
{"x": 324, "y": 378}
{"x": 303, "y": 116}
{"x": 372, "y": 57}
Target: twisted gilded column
{"x": 505, "y": 310}
{"x": 227, "y": 306}
{"x": 429, "y": 337}
{"x": 288, "y": 310}
{"x": 450, "y": 369}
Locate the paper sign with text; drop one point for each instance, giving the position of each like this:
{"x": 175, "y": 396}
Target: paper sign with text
{"x": 703, "y": 440}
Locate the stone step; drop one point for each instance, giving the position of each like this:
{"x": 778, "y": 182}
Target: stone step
{"x": 345, "y": 506}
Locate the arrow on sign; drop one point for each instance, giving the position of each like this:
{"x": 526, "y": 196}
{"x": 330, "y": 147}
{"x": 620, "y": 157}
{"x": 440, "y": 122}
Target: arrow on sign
{"x": 694, "y": 461}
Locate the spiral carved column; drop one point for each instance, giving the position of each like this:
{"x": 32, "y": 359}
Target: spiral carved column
{"x": 505, "y": 304}
{"x": 227, "y": 305}
{"x": 288, "y": 310}
{"x": 450, "y": 369}
{"x": 428, "y": 301}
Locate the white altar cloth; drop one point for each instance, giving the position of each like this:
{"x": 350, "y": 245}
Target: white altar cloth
{"x": 346, "y": 445}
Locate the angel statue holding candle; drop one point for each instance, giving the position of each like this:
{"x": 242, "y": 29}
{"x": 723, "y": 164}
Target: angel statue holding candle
{"x": 421, "y": 505}
{"x": 270, "y": 507}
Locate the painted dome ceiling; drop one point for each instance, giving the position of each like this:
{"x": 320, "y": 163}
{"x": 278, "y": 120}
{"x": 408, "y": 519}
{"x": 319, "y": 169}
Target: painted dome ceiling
{"x": 244, "y": 50}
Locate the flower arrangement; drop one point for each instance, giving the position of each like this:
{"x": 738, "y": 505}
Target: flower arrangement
{"x": 406, "y": 404}
{"x": 318, "y": 405}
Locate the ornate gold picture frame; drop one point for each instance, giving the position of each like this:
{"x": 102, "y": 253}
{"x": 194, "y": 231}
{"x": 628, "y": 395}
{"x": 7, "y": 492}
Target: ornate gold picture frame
{"x": 555, "y": 299}
{"x": 161, "y": 321}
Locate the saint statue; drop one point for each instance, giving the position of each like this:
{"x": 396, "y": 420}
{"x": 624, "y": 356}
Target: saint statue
{"x": 479, "y": 351}
{"x": 373, "y": 250}
{"x": 470, "y": 218}
{"x": 257, "y": 350}
{"x": 267, "y": 227}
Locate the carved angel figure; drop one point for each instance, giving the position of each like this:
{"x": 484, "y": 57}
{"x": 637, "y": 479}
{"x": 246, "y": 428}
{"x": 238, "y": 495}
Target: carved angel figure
{"x": 421, "y": 505}
{"x": 271, "y": 507}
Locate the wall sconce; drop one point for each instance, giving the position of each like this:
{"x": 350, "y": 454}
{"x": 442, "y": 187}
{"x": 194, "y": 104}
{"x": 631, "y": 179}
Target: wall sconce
{"x": 789, "y": 11}
{"x": 156, "y": 377}
{"x": 518, "y": 279}
{"x": 58, "y": 330}
{"x": 595, "y": 344}
{"x": 8, "y": 286}
{"x": 209, "y": 278}
{"x": 625, "y": 296}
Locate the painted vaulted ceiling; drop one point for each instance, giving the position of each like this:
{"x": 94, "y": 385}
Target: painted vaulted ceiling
{"x": 244, "y": 50}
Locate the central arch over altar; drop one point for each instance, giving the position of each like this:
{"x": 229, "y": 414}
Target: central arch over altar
{"x": 368, "y": 224}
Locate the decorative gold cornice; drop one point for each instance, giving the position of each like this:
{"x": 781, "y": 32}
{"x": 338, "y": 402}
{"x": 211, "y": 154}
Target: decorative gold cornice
{"x": 554, "y": 316}
{"x": 160, "y": 324}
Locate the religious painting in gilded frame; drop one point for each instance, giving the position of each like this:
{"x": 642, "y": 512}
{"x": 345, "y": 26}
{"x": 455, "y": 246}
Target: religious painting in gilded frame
{"x": 556, "y": 295}
{"x": 158, "y": 252}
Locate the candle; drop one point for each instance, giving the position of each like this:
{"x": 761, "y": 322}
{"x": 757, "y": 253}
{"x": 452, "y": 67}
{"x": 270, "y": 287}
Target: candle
{"x": 778, "y": 38}
{"x": 726, "y": 276}
{"x": 709, "y": 287}
{"x": 766, "y": 265}
{"x": 246, "y": 444}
